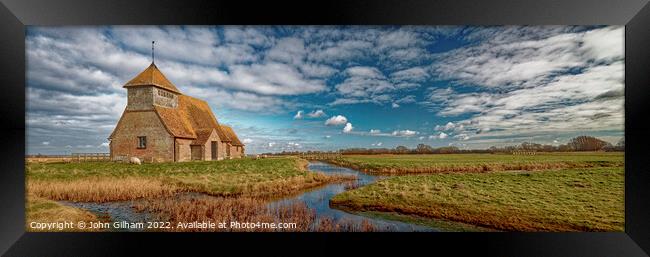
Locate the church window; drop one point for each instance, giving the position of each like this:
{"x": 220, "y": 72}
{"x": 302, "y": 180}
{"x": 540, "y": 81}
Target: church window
{"x": 142, "y": 142}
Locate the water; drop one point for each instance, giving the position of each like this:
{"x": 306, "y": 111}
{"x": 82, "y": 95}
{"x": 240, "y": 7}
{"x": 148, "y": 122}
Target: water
{"x": 114, "y": 211}
{"x": 317, "y": 199}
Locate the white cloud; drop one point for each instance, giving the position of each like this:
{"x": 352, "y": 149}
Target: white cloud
{"x": 316, "y": 114}
{"x": 241, "y": 100}
{"x": 247, "y": 141}
{"x": 483, "y": 130}
{"x": 270, "y": 79}
{"x": 557, "y": 80}
{"x": 377, "y": 144}
{"x": 348, "y": 128}
{"x": 336, "y": 120}
{"x": 462, "y": 136}
{"x": 298, "y": 115}
{"x": 46, "y": 143}
{"x": 369, "y": 85}
{"x": 414, "y": 75}
{"x": 522, "y": 62}
{"x": 447, "y": 127}
{"x": 293, "y": 145}
{"x": 375, "y": 131}
{"x": 405, "y": 133}
{"x": 442, "y": 135}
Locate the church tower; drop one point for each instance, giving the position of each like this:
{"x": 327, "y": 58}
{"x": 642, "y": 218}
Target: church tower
{"x": 151, "y": 88}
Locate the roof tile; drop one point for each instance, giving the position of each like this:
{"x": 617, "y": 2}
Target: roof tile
{"x": 152, "y": 76}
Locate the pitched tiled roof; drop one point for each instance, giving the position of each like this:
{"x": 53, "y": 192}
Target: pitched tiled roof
{"x": 202, "y": 136}
{"x": 192, "y": 118}
{"x": 231, "y": 134}
{"x": 176, "y": 122}
{"x": 200, "y": 115}
{"x": 152, "y": 76}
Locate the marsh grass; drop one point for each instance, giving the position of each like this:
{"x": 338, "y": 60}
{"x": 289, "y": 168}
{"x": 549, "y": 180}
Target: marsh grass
{"x": 327, "y": 224}
{"x": 100, "y": 189}
{"x": 42, "y": 210}
{"x": 109, "y": 181}
{"x": 243, "y": 210}
{"x": 476, "y": 163}
{"x": 558, "y": 200}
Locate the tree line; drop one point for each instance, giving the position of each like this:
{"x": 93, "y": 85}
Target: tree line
{"x": 576, "y": 144}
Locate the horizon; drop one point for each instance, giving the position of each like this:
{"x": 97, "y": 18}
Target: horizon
{"x": 301, "y": 88}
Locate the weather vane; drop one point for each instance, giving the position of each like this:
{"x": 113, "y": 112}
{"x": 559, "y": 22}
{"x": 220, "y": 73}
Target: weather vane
{"x": 153, "y": 59}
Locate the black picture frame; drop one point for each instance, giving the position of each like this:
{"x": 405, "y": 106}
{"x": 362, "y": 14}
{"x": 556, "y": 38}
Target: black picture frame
{"x": 16, "y": 14}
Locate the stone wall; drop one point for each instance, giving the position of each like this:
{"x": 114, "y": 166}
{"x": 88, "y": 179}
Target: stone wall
{"x": 164, "y": 98}
{"x": 235, "y": 152}
{"x": 139, "y": 98}
{"x": 196, "y": 152}
{"x": 207, "y": 147}
{"x": 133, "y": 124}
{"x": 183, "y": 151}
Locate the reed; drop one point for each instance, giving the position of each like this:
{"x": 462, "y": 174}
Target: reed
{"x": 107, "y": 181}
{"x": 100, "y": 189}
{"x": 201, "y": 208}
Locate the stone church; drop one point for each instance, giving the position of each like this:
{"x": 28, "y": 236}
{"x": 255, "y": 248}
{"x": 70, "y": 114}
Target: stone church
{"x": 160, "y": 124}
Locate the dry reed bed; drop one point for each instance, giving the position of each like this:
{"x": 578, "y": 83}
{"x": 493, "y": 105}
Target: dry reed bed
{"x": 108, "y": 189}
{"x": 74, "y": 184}
{"x": 100, "y": 189}
{"x": 472, "y": 168}
{"x": 242, "y": 210}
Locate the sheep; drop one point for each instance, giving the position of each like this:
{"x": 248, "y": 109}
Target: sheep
{"x": 135, "y": 160}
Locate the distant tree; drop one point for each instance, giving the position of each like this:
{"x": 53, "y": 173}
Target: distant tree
{"x": 447, "y": 149}
{"x": 422, "y": 148}
{"x": 401, "y": 149}
{"x": 586, "y": 143}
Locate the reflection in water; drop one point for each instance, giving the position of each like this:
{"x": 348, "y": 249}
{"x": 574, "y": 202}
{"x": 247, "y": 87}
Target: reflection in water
{"x": 319, "y": 200}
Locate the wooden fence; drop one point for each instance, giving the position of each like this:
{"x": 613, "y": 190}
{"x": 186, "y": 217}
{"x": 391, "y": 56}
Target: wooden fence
{"x": 90, "y": 157}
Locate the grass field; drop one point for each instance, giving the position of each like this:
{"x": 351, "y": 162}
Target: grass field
{"x": 439, "y": 163}
{"x": 589, "y": 199}
{"x": 109, "y": 181}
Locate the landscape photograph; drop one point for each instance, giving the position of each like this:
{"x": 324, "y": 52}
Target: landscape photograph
{"x": 325, "y": 129}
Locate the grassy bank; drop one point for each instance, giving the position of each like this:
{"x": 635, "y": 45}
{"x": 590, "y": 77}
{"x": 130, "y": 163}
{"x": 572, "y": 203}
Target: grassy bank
{"x": 555, "y": 200}
{"x": 41, "y": 210}
{"x": 108, "y": 181}
{"x": 442, "y": 163}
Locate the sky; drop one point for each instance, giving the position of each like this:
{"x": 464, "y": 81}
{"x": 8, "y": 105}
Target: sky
{"x": 300, "y": 88}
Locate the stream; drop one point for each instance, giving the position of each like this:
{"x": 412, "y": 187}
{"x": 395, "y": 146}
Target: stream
{"x": 316, "y": 199}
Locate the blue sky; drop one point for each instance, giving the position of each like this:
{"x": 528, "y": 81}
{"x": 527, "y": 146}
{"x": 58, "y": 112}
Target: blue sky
{"x": 331, "y": 87}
